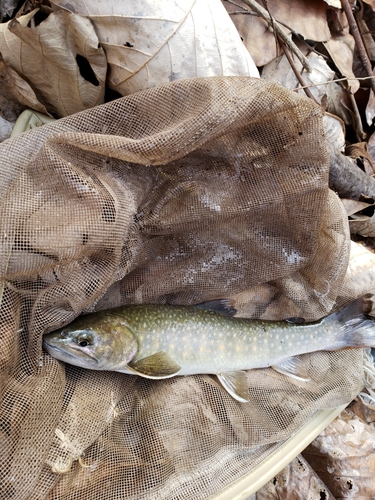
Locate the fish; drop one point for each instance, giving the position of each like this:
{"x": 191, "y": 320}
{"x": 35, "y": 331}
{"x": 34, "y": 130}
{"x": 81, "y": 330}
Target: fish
{"x": 163, "y": 341}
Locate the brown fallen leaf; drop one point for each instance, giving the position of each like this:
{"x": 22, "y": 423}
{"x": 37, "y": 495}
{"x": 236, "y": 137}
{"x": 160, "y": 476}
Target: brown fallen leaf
{"x": 354, "y": 206}
{"x": 15, "y": 94}
{"x": 53, "y": 56}
{"x": 340, "y": 48}
{"x": 254, "y": 31}
{"x": 297, "y": 481}
{"x": 308, "y": 19}
{"x": 343, "y": 456}
{"x": 348, "y": 180}
{"x": 371, "y": 146}
{"x": 363, "y": 224}
{"x": 149, "y": 43}
{"x": 280, "y": 71}
{"x": 360, "y": 154}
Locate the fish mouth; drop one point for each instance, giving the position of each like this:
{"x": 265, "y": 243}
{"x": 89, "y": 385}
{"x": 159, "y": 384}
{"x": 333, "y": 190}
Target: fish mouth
{"x": 67, "y": 351}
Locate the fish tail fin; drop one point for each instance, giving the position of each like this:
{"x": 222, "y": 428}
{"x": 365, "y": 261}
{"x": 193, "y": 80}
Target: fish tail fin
{"x": 355, "y": 329}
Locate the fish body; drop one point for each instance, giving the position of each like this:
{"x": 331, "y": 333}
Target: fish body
{"x": 161, "y": 341}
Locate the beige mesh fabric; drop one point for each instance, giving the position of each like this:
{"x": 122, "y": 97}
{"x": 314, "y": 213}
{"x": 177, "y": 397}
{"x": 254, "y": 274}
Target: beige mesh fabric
{"x": 197, "y": 189}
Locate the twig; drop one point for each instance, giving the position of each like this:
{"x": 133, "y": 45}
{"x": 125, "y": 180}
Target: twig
{"x": 280, "y": 32}
{"x": 344, "y": 79}
{"x": 299, "y": 77}
{"x": 358, "y": 40}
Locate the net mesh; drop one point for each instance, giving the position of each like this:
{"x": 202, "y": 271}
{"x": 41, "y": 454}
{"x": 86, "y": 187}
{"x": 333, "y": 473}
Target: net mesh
{"x": 194, "y": 190}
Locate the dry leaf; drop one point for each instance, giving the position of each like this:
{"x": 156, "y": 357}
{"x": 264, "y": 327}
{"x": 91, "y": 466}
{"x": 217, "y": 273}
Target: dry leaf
{"x": 333, "y": 3}
{"x": 371, "y": 3}
{"x": 16, "y": 94}
{"x": 370, "y": 109}
{"x": 306, "y": 18}
{"x": 296, "y": 482}
{"x": 360, "y": 275}
{"x": 341, "y": 47}
{"x": 354, "y": 206}
{"x": 334, "y": 130}
{"x": 150, "y": 42}
{"x": 255, "y": 33}
{"x": 347, "y": 179}
{"x": 343, "y": 456}
{"x": 7, "y": 7}
{"x": 336, "y": 97}
{"x": 371, "y": 146}
{"x": 363, "y": 224}
{"x": 360, "y": 154}
{"x": 5, "y": 129}
{"x": 279, "y": 70}
{"x": 53, "y": 56}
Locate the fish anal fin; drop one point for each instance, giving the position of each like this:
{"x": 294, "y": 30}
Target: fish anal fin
{"x": 292, "y": 367}
{"x": 157, "y": 366}
{"x": 235, "y": 383}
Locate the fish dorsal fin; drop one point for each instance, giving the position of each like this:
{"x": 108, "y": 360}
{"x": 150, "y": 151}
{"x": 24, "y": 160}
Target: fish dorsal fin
{"x": 222, "y": 306}
{"x": 236, "y": 384}
{"x": 293, "y": 367}
{"x": 157, "y": 366}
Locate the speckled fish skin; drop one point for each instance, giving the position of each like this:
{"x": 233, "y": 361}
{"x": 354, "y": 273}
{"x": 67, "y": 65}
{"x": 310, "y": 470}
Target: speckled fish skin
{"x": 200, "y": 341}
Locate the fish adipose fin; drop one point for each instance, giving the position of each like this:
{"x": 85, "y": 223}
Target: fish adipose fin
{"x": 157, "y": 366}
{"x": 292, "y": 367}
{"x": 235, "y": 383}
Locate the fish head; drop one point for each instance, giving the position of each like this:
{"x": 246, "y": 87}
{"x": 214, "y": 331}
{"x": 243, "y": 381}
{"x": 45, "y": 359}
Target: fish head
{"x": 101, "y": 343}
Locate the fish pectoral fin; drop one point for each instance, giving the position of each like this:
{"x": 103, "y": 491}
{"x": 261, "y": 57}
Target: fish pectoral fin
{"x": 157, "y": 366}
{"x": 293, "y": 367}
{"x": 236, "y": 384}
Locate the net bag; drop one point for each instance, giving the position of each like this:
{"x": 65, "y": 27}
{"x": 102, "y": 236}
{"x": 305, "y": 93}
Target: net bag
{"x": 194, "y": 190}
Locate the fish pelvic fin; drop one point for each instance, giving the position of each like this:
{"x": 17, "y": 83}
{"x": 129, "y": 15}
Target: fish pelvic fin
{"x": 157, "y": 366}
{"x": 355, "y": 329}
{"x": 235, "y": 383}
{"x": 292, "y": 367}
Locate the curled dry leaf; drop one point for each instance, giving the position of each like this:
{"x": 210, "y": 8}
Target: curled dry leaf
{"x": 60, "y": 58}
{"x": 346, "y": 178}
{"x": 340, "y": 48}
{"x": 255, "y": 33}
{"x": 363, "y": 224}
{"x": 370, "y": 109}
{"x": 279, "y": 70}
{"x": 334, "y": 129}
{"x": 297, "y": 481}
{"x": 371, "y": 3}
{"x": 360, "y": 275}
{"x": 5, "y": 129}
{"x": 371, "y": 146}
{"x": 308, "y": 19}
{"x": 149, "y": 42}
{"x": 343, "y": 456}
{"x": 16, "y": 94}
{"x": 362, "y": 157}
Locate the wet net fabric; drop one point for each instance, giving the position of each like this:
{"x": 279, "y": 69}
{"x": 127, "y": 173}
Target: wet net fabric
{"x": 191, "y": 191}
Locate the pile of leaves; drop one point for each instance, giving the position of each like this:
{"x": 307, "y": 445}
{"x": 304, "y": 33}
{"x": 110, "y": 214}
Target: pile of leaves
{"x": 58, "y": 58}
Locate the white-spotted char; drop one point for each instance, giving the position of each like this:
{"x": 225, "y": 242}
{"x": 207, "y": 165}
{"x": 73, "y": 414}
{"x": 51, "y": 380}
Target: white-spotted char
{"x": 161, "y": 341}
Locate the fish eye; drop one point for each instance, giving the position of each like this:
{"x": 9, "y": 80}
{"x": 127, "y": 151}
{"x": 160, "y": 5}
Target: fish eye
{"x": 84, "y": 340}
